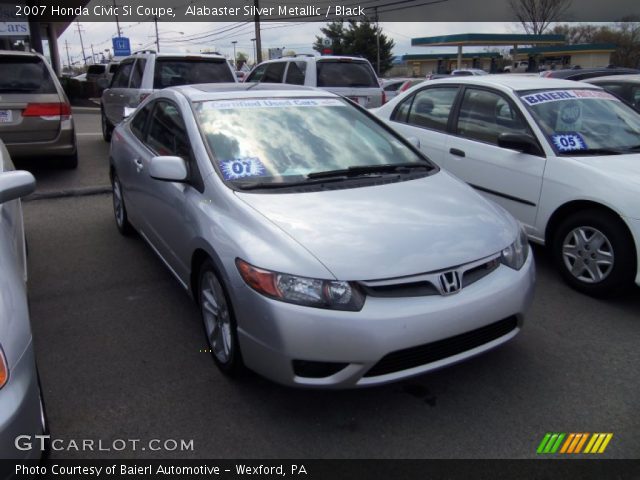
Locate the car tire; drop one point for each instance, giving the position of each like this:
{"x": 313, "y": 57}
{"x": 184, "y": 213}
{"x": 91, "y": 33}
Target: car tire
{"x": 107, "y": 128}
{"x": 218, "y": 320}
{"x": 69, "y": 162}
{"x": 595, "y": 253}
{"x": 119, "y": 208}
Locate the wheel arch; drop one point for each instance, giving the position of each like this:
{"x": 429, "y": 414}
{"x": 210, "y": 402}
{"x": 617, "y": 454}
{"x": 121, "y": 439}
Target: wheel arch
{"x": 200, "y": 254}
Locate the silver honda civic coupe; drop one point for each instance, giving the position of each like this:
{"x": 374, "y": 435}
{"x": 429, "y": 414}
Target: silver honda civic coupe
{"x": 323, "y": 249}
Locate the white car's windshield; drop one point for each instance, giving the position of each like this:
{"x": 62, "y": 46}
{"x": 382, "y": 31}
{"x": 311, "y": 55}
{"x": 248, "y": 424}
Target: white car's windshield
{"x": 284, "y": 140}
{"x": 584, "y": 121}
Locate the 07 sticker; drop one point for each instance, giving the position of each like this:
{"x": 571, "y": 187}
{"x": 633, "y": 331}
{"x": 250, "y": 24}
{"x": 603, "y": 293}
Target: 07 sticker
{"x": 567, "y": 142}
{"x": 241, "y": 168}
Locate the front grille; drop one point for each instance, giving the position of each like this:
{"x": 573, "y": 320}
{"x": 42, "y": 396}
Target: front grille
{"x": 448, "y": 347}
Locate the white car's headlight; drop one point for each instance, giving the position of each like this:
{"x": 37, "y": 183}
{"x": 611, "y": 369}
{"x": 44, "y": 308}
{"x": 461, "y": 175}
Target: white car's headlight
{"x": 311, "y": 292}
{"x": 516, "y": 254}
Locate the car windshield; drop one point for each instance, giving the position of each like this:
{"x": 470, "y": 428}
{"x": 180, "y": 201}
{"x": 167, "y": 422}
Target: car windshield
{"x": 584, "y": 121}
{"x": 345, "y": 73}
{"x": 188, "y": 71}
{"x": 288, "y": 140}
{"x": 25, "y": 74}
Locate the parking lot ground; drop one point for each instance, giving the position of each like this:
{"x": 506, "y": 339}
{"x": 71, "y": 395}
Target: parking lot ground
{"x": 119, "y": 349}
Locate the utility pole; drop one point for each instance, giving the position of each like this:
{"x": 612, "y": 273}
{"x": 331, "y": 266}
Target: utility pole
{"x": 377, "y": 42}
{"x": 93, "y": 55}
{"x": 253, "y": 40}
{"x": 234, "y": 55}
{"x": 155, "y": 20}
{"x": 66, "y": 45}
{"x": 256, "y": 4}
{"x": 84, "y": 59}
{"x": 117, "y": 22}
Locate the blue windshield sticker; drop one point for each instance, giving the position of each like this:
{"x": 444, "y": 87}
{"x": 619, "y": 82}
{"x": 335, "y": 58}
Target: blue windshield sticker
{"x": 241, "y": 168}
{"x": 567, "y": 142}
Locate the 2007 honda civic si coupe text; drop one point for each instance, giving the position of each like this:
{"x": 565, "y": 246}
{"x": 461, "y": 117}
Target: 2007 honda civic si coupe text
{"x": 322, "y": 248}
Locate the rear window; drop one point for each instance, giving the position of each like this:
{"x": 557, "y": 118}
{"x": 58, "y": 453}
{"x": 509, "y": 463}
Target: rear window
{"x": 25, "y": 75}
{"x": 341, "y": 73}
{"x": 186, "y": 71}
{"x": 96, "y": 69}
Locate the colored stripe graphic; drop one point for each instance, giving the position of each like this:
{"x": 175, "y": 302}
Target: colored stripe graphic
{"x": 572, "y": 443}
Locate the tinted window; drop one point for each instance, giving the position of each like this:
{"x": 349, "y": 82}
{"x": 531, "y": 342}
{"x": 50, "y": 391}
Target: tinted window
{"x": 139, "y": 121}
{"x": 167, "y": 134}
{"x": 121, "y": 78}
{"x": 393, "y": 87}
{"x": 113, "y": 68}
{"x": 431, "y": 108}
{"x": 338, "y": 73}
{"x": 25, "y": 74}
{"x": 96, "y": 69}
{"x": 257, "y": 73}
{"x": 274, "y": 72}
{"x": 295, "y": 73}
{"x": 188, "y": 71}
{"x": 138, "y": 71}
{"x": 485, "y": 115}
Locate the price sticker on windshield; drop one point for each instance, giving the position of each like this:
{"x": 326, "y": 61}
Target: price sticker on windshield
{"x": 241, "y": 168}
{"x": 568, "y": 142}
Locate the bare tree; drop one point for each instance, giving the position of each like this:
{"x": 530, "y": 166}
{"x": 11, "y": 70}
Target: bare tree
{"x": 536, "y": 15}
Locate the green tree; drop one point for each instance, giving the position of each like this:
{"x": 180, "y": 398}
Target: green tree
{"x": 358, "y": 39}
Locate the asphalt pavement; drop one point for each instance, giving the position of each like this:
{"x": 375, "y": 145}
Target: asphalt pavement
{"x": 119, "y": 346}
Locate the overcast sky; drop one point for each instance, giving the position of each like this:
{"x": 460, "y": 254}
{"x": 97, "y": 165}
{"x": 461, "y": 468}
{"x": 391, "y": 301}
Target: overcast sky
{"x": 293, "y": 36}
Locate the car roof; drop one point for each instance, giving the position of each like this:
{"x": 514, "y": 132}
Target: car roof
{"x": 225, "y": 91}
{"x": 514, "y": 82}
{"x": 631, "y": 78}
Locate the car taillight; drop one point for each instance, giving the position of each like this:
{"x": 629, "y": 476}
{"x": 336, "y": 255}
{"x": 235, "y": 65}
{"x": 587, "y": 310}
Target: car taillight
{"x": 384, "y": 98}
{"x": 4, "y": 370}
{"x": 405, "y": 86}
{"x": 49, "y": 111}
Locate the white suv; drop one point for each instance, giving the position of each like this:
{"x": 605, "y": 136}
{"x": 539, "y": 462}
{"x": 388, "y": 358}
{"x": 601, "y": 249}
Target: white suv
{"x": 351, "y": 77}
{"x": 144, "y": 72}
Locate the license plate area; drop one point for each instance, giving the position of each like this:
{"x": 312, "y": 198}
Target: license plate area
{"x": 6, "y": 116}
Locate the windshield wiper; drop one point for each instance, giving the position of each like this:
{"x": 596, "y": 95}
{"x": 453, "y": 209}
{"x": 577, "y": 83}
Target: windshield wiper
{"x": 595, "y": 151}
{"x": 275, "y": 185}
{"x": 361, "y": 170}
{"x": 633, "y": 148}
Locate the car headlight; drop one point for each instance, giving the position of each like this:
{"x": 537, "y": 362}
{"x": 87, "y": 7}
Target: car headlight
{"x": 311, "y": 292}
{"x": 516, "y": 254}
{"x": 4, "y": 369}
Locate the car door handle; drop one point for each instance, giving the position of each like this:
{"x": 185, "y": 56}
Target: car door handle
{"x": 139, "y": 164}
{"x": 456, "y": 152}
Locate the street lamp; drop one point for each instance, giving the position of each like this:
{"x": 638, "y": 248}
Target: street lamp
{"x": 235, "y": 62}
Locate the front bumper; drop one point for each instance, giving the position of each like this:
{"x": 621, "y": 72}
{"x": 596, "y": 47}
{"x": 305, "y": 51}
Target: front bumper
{"x": 63, "y": 145}
{"x": 21, "y": 409}
{"x": 273, "y": 334}
{"x": 634, "y": 226}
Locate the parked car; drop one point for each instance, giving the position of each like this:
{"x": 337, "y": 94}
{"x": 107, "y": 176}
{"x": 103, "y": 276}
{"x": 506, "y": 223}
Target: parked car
{"x": 466, "y": 72}
{"x": 96, "y": 71}
{"x": 21, "y": 406}
{"x": 626, "y": 87}
{"x": 35, "y": 113}
{"x": 394, "y": 86}
{"x": 517, "y": 67}
{"x": 144, "y": 72}
{"x": 578, "y": 73}
{"x": 322, "y": 248}
{"x": 435, "y": 76}
{"x": 561, "y": 156}
{"x": 351, "y": 77}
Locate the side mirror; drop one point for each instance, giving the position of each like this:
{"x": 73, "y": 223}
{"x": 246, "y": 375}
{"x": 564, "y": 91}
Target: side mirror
{"x": 16, "y": 184}
{"x": 127, "y": 112}
{"x": 168, "y": 169}
{"x": 414, "y": 141}
{"x": 520, "y": 142}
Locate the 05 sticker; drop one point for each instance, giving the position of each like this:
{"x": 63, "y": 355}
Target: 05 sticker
{"x": 567, "y": 142}
{"x": 241, "y": 168}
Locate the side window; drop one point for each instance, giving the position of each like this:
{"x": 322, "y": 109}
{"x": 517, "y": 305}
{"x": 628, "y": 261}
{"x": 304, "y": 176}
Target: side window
{"x": 121, "y": 78}
{"x": 167, "y": 134}
{"x": 274, "y": 72}
{"x": 635, "y": 96}
{"x": 295, "y": 73}
{"x": 431, "y": 108}
{"x": 258, "y": 73}
{"x": 485, "y": 115}
{"x": 139, "y": 121}
{"x": 138, "y": 71}
{"x": 401, "y": 113}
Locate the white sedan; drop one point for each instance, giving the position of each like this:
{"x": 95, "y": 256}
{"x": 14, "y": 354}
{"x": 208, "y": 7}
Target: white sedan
{"x": 563, "y": 157}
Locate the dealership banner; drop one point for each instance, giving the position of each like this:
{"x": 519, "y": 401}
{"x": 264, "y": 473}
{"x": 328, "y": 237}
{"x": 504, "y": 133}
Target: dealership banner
{"x": 310, "y": 10}
{"x": 12, "y": 25}
{"x": 324, "y": 469}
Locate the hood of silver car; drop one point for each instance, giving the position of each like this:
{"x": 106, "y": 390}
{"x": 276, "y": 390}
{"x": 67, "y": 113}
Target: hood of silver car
{"x": 391, "y": 230}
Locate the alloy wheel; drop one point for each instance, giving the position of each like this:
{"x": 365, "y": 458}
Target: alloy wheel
{"x": 587, "y": 254}
{"x": 217, "y": 317}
